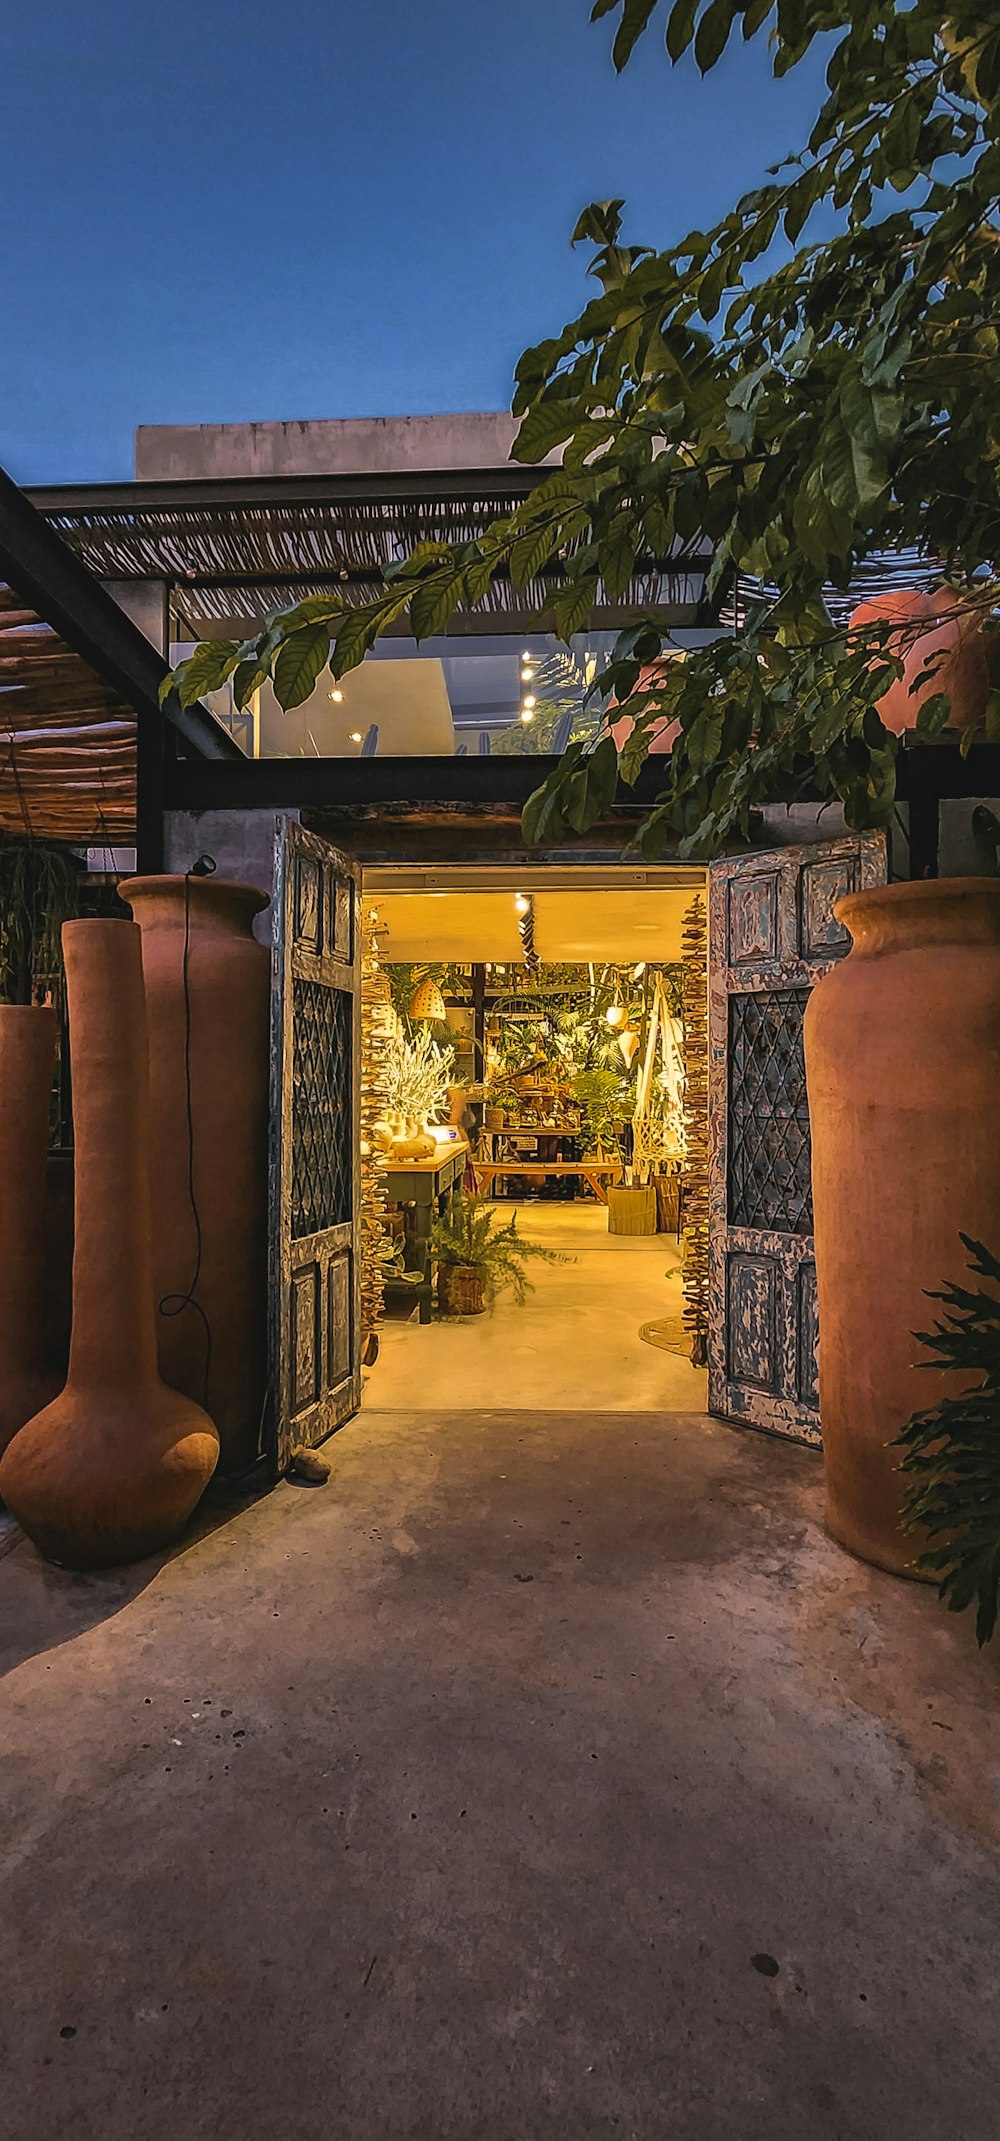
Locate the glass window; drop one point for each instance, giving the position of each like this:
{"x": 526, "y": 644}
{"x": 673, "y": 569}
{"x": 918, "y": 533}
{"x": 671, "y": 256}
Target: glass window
{"x": 467, "y": 695}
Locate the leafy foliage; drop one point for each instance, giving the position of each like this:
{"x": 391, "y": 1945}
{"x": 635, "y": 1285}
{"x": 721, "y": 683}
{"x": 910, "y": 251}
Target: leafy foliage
{"x": 952, "y": 1452}
{"x": 785, "y": 399}
{"x": 470, "y": 1234}
{"x": 39, "y": 891}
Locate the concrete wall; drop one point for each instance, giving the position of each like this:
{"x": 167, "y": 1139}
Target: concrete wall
{"x": 145, "y": 601}
{"x": 241, "y": 842}
{"x": 328, "y": 447}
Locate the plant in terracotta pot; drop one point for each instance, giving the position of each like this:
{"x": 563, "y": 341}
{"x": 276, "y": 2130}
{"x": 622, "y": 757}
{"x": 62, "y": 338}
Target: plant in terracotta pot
{"x": 951, "y": 1460}
{"x": 477, "y": 1258}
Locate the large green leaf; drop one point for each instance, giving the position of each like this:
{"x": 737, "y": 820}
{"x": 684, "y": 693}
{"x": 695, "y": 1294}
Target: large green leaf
{"x": 298, "y": 664}
{"x": 205, "y": 670}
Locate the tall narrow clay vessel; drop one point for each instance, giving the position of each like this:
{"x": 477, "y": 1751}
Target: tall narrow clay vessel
{"x": 27, "y": 1061}
{"x": 113, "y": 1468}
{"x": 902, "y": 1046}
{"x": 210, "y": 1038}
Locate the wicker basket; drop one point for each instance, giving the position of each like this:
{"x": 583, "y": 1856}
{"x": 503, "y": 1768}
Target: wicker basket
{"x": 460, "y": 1290}
{"x": 668, "y": 1203}
{"x": 632, "y": 1211}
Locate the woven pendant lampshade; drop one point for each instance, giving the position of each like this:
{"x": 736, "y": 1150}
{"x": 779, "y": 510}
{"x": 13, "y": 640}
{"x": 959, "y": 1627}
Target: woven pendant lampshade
{"x": 427, "y": 1002}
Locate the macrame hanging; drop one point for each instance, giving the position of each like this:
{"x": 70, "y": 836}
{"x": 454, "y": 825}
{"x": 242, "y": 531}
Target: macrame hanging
{"x": 694, "y": 945}
{"x": 377, "y": 1022}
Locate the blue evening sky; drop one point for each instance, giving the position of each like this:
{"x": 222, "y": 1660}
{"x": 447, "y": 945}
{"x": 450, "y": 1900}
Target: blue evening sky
{"x": 225, "y": 210}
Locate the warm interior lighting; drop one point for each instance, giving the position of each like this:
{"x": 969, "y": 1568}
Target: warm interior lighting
{"x": 615, "y": 1014}
{"x": 521, "y": 902}
{"x": 526, "y": 715}
{"x": 528, "y": 702}
{"x": 336, "y": 696}
{"x": 355, "y": 735}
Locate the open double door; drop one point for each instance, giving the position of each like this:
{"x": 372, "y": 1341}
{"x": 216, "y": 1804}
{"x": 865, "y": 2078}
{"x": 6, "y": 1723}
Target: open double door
{"x": 772, "y": 935}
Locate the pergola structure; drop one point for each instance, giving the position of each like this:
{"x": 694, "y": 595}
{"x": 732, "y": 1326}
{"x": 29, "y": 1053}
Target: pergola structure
{"x": 83, "y": 737}
{"x": 229, "y": 551}
{"x": 223, "y": 553}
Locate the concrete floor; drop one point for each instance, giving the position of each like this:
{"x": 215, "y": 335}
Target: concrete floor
{"x": 538, "y": 1779}
{"x": 573, "y": 1344}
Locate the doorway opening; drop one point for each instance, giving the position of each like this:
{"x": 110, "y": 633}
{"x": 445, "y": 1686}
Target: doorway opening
{"x": 533, "y": 1094}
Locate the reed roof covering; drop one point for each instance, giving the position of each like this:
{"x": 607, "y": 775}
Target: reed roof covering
{"x": 67, "y": 737}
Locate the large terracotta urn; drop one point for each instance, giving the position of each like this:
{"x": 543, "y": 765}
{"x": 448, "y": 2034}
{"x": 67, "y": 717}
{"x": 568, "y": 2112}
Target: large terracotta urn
{"x": 939, "y": 639}
{"x": 662, "y": 734}
{"x": 209, "y": 1024}
{"x": 113, "y": 1468}
{"x": 27, "y": 1062}
{"x": 902, "y": 1044}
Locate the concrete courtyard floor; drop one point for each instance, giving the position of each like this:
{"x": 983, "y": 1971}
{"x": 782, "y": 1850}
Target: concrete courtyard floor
{"x": 539, "y": 1776}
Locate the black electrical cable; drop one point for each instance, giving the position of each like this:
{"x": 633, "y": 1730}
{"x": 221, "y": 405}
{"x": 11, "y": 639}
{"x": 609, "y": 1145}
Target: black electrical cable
{"x": 175, "y": 1304}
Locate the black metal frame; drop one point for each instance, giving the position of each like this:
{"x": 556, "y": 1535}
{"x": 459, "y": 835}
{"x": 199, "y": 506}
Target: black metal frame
{"x": 45, "y": 572}
{"x": 927, "y": 775}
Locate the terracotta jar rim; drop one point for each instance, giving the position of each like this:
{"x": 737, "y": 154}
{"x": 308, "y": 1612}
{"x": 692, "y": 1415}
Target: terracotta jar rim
{"x": 924, "y": 910}
{"x": 252, "y": 899}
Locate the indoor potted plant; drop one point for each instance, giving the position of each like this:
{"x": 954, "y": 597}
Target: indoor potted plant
{"x": 476, "y": 1263}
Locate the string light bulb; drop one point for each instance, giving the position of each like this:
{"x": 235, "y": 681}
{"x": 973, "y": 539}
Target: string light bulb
{"x": 521, "y": 902}
{"x": 337, "y": 697}
{"x": 528, "y": 702}
{"x": 355, "y": 735}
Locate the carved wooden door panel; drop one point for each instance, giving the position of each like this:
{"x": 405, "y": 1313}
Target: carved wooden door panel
{"x": 772, "y": 934}
{"x": 315, "y": 1142}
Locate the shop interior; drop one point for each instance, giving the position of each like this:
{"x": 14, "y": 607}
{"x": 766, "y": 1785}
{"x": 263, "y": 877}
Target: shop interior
{"x": 533, "y": 1139}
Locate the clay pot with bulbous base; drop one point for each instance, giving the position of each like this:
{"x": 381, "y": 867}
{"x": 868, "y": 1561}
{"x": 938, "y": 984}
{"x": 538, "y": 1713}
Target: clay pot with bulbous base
{"x": 214, "y": 1030}
{"x": 27, "y": 1061}
{"x": 112, "y": 1469}
{"x": 902, "y": 1045}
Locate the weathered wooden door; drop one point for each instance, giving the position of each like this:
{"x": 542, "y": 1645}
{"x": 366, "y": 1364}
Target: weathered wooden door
{"x": 315, "y": 1151}
{"x": 772, "y": 934}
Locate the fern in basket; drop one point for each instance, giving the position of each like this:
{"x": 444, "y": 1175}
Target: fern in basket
{"x": 952, "y": 1453}
{"x": 468, "y": 1235}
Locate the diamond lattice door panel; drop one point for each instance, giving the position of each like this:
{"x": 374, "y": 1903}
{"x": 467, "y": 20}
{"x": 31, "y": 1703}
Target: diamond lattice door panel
{"x": 315, "y": 1152}
{"x": 770, "y": 1184}
{"x": 773, "y": 933}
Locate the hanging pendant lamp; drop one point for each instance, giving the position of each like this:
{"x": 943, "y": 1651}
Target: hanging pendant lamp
{"x": 628, "y": 1042}
{"x": 427, "y": 1002}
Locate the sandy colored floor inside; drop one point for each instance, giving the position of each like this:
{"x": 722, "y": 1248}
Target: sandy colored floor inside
{"x": 575, "y": 1342}
{"x": 540, "y": 1778}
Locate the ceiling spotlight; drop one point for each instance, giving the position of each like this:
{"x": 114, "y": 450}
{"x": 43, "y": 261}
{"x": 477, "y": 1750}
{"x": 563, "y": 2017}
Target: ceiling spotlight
{"x": 521, "y": 902}
{"x": 355, "y": 735}
{"x": 336, "y": 696}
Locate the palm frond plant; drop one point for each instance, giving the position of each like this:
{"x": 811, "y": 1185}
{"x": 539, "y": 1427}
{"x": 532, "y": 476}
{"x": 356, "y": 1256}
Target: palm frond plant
{"x": 469, "y": 1239}
{"x": 952, "y": 1452}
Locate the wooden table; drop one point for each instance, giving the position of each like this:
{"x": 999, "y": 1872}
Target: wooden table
{"x": 430, "y": 1186}
{"x": 594, "y": 1172}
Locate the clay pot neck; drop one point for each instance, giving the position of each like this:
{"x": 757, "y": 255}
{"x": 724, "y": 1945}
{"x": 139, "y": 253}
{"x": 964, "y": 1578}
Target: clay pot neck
{"x": 908, "y": 917}
{"x": 218, "y": 903}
